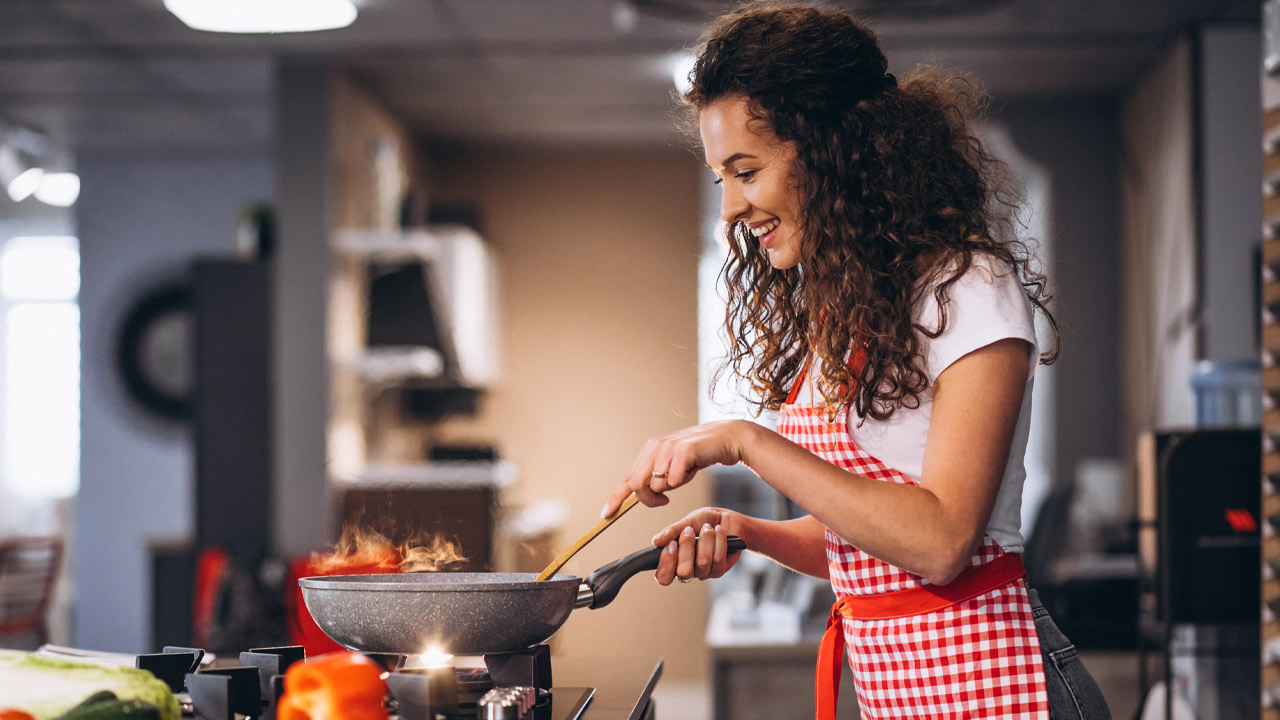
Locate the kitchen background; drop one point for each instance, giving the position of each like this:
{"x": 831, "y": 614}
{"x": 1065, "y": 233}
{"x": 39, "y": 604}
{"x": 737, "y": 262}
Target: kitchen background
{"x": 580, "y": 321}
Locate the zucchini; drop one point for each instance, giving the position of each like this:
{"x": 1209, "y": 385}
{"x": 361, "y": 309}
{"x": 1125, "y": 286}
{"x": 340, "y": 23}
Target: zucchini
{"x": 132, "y": 709}
{"x": 94, "y": 699}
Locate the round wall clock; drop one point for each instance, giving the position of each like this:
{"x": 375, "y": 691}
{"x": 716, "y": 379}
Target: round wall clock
{"x": 155, "y": 351}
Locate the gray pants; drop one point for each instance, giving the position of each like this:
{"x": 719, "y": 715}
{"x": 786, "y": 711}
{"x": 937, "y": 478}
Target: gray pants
{"x": 1073, "y": 694}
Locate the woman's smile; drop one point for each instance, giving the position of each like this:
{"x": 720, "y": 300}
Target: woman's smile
{"x": 764, "y": 232}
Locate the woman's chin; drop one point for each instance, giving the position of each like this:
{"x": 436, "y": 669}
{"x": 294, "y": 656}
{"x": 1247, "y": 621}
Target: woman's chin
{"x": 782, "y": 260}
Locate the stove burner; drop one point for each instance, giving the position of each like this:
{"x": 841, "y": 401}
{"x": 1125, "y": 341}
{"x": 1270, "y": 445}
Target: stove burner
{"x": 251, "y": 689}
{"x": 508, "y": 703}
{"x": 473, "y": 683}
{"x": 528, "y": 668}
{"x": 424, "y": 693}
{"x": 512, "y": 685}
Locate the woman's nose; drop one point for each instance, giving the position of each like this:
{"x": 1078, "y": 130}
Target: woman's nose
{"x": 733, "y": 206}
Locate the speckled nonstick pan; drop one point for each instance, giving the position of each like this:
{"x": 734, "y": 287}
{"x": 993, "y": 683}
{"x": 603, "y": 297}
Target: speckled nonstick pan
{"x": 462, "y": 613}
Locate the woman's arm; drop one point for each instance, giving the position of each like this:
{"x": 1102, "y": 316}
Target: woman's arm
{"x": 696, "y": 545}
{"x": 799, "y": 544}
{"x": 931, "y": 529}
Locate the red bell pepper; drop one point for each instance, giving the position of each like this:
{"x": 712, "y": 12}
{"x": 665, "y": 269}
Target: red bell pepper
{"x": 335, "y": 686}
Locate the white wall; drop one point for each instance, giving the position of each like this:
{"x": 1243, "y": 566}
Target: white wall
{"x": 1076, "y": 144}
{"x": 1230, "y": 177}
{"x": 140, "y": 221}
{"x": 1159, "y": 246}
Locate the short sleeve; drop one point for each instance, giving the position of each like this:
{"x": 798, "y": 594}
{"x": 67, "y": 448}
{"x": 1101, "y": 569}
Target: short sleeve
{"x": 985, "y": 305}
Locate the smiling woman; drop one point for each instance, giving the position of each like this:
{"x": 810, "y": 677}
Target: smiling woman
{"x": 880, "y": 302}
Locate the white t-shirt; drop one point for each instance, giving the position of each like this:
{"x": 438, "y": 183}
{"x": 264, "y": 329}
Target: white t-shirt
{"x": 984, "y": 306}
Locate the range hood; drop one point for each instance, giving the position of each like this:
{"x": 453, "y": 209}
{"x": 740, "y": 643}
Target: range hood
{"x": 432, "y": 305}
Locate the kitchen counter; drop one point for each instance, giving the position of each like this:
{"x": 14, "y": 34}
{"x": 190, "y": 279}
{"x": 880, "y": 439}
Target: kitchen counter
{"x": 767, "y": 681}
{"x": 624, "y": 685}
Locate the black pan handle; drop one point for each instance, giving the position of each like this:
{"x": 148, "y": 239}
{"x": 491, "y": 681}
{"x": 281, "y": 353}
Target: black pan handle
{"x": 602, "y": 586}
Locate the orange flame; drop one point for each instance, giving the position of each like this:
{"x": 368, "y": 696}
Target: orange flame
{"x": 440, "y": 554}
{"x": 363, "y": 549}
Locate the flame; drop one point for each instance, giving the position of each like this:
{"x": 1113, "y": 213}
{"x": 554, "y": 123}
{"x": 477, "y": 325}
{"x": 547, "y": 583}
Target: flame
{"x": 435, "y": 657}
{"x": 371, "y": 551}
{"x": 439, "y": 555}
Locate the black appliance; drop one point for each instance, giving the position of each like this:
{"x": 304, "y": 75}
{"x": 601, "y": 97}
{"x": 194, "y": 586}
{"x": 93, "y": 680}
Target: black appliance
{"x": 1200, "y": 529}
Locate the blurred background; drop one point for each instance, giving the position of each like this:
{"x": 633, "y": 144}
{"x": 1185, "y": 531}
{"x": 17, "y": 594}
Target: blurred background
{"x": 444, "y": 269}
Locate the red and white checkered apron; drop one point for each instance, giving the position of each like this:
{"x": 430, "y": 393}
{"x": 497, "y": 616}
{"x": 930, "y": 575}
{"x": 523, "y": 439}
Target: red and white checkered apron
{"x": 977, "y": 658}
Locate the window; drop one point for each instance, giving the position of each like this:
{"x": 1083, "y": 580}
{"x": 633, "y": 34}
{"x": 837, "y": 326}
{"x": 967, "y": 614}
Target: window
{"x": 39, "y": 286}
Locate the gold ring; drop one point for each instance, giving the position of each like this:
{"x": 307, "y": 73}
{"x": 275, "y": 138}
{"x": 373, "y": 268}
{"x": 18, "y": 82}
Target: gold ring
{"x": 659, "y": 475}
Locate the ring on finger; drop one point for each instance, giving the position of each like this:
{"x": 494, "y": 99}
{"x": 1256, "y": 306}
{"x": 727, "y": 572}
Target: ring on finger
{"x": 685, "y": 580}
{"x": 660, "y": 474}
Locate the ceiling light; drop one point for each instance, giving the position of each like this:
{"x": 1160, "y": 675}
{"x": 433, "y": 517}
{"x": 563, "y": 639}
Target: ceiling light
{"x": 58, "y": 188}
{"x": 18, "y": 174}
{"x": 263, "y": 16}
{"x": 21, "y": 187}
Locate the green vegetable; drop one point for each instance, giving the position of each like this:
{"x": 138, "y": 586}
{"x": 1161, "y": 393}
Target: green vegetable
{"x": 48, "y": 687}
{"x": 94, "y": 699}
{"x": 134, "y": 709}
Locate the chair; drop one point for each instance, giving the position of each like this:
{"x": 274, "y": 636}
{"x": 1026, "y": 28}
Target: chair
{"x": 29, "y": 569}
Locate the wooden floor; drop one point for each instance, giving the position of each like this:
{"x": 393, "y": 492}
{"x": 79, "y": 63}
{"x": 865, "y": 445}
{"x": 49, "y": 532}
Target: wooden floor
{"x": 1117, "y": 676}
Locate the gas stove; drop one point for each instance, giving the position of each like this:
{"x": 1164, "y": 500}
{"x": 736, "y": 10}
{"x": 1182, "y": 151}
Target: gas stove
{"x": 507, "y": 686}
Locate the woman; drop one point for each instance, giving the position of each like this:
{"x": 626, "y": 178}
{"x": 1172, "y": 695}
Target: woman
{"x": 879, "y": 302}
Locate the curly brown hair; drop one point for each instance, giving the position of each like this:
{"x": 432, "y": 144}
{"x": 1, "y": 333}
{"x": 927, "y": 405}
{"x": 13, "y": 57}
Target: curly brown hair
{"x": 897, "y": 194}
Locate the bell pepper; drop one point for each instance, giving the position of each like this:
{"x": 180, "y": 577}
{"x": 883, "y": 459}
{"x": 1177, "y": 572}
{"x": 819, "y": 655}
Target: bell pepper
{"x": 334, "y": 686}
{"x": 9, "y": 714}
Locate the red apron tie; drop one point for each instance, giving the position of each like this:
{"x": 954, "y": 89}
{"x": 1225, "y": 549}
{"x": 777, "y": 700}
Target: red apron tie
{"x": 971, "y": 583}
{"x": 826, "y": 690}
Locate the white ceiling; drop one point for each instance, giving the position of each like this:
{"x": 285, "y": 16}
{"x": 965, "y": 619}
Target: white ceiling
{"x": 126, "y": 75}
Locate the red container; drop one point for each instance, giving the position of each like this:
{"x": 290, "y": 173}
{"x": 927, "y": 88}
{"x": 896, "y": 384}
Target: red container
{"x": 302, "y": 628}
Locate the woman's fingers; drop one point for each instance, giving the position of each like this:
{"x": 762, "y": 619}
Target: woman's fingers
{"x": 647, "y": 496}
{"x": 694, "y": 519}
{"x": 694, "y": 557}
{"x": 686, "y": 554}
{"x": 666, "y": 571}
{"x": 667, "y": 462}
{"x": 643, "y": 492}
{"x": 660, "y": 468}
{"x": 720, "y": 556}
{"x": 614, "y": 502}
{"x": 704, "y": 555}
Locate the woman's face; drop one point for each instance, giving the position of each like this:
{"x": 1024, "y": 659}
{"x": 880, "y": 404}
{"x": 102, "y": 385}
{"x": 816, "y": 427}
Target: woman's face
{"x": 753, "y": 168}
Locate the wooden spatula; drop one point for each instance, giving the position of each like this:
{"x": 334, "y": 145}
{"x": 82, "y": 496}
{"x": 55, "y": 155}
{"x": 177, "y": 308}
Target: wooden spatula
{"x": 582, "y": 541}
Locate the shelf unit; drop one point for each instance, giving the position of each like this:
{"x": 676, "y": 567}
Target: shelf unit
{"x": 455, "y": 298}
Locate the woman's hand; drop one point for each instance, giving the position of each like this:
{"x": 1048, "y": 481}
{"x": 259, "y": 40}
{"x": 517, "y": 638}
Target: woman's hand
{"x": 670, "y": 461}
{"x": 697, "y": 545}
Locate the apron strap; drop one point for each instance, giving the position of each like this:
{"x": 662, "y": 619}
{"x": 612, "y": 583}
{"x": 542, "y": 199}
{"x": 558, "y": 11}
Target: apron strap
{"x": 971, "y": 583}
{"x": 826, "y": 687}
{"x": 795, "y": 389}
{"x": 857, "y": 359}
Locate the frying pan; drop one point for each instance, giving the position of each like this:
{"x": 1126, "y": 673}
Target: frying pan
{"x": 462, "y": 613}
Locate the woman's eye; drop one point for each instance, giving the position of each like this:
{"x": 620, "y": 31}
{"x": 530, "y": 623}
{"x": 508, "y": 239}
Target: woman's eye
{"x": 746, "y": 175}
